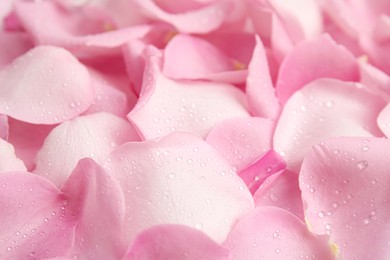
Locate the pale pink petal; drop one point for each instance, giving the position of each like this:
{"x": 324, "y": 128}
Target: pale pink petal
{"x": 259, "y": 87}
{"x": 190, "y": 57}
{"x": 78, "y": 32}
{"x": 273, "y": 233}
{"x": 242, "y": 140}
{"x": 166, "y": 106}
{"x": 93, "y": 136}
{"x": 322, "y": 109}
{"x": 12, "y": 46}
{"x": 5, "y": 8}
{"x": 260, "y": 170}
{"x": 384, "y": 120}
{"x": 314, "y": 59}
{"x": 135, "y": 63}
{"x": 98, "y": 202}
{"x": 374, "y": 78}
{"x": 282, "y": 191}
{"x": 179, "y": 179}
{"x": 41, "y": 86}
{"x": 344, "y": 183}
{"x": 35, "y": 221}
{"x": 4, "y": 127}
{"x": 201, "y": 20}
{"x": 175, "y": 242}
{"x": 8, "y": 160}
{"x": 27, "y": 139}
{"x": 381, "y": 31}
{"x": 113, "y": 94}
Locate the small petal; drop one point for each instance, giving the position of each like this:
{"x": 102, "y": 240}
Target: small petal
{"x": 8, "y": 160}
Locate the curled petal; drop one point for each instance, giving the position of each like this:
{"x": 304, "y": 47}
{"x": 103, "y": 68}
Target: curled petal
{"x": 344, "y": 183}
{"x": 178, "y": 179}
{"x": 8, "y": 159}
{"x": 175, "y": 242}
{"x": 93, "y": 136}
{"x": 309, "y": 117}
{"x": 47, "y": 85}
{"x": 273, "y": 233}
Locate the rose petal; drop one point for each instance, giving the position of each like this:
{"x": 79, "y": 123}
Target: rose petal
{"x": 202, "y": 20}
{"x": 93, "y": 136}
{"x": 261, "y": 169}
{"x": 384, "y": 120}
{"x": 375, "y": 79}
{"x": 322, "y": 109}
{"x": 92, "y": 192}
{"x": 179, "y": 179}
{"x": 34, "y": 219}
{"x": 282, "y": 191}
{"x": 4, "y": 127}
{"x": 259, "y": 87}
{"x": 344, "y": 184}
{"x": 8, "y": 159}
{"x": 273, "y": 233}
{"x": 311, "y": 60}
{"x": 195, "y": 107}
{"x": 135, "y": 62}
{"x": 47, "y": 85}
{"x": 15, "y": 43}
{"x": 175, "y": 242}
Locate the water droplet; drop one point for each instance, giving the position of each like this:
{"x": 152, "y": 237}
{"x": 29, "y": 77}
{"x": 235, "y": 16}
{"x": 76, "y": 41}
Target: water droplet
{"x": 172, "y": 175}
{"x": 365, "y": 148}
{"x": 223, "y": 173}
{"x": 367, "y": 221}
{"x": 321, "y": 214}
{"x": 179, "y": 159}
{"x": 303, "y": 108}
{"x": 362, "y": 165}
{"x": 198, "y": 226}
{"x": 329, "y": 104}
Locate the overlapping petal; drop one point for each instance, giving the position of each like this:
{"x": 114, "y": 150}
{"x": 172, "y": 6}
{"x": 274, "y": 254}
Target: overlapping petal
{"x": 273, "y": 233}
{"x": 322, "y": 109}
{"x": 167, "y": 242}
{"x": 344, "y": 183}
{"x": 93, "y": 136}
{"x": 179, "y": 179}
{"x": 47, "y": 85}
{"x": 8, "y": 159}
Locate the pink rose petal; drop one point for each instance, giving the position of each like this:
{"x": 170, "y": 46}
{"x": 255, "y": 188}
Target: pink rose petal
{"x": 259, "y": 87}
{"x": 375, "y": 79}
{"x": 4, "y": 127}
{"x": 384, "y": 120}
{"x": 260, "y": 170}
{"x": 98, "y": 201}
{"x": 179, "y": 179}
{"x": 242, "y": 140}
{"x": 93, "y": 136}
{"x": 322, "y": 109}
{"x": 202, "y": 20}
{"x": 195, "y": 107}
{"x": 273, "y": 233}
{"x": 15, "y": 43}
{"x": 282, "y": 191}
{"x": 35, "y": 222}
{"x": 344, "y": 184}
{"x": 311, "y": 60}
{"x": 47, "y": 85}
{"x": 175, "y": 242}
{"x": 8, "y": 160}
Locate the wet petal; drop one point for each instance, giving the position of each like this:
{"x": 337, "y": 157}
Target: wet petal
{"x": 93, "y": 136}
{"x": 41, "y": 86}
{"x": 34, "y": 219}
{"x": 344, "y": 183}
{"x": 92, "y": 192}
{"x": 175, "y": 242}
{"x": 179, "y": 179}
{"x": 8, "y": 160}
{"x": 309, "y": 117}
{"x": 273, "y": 233}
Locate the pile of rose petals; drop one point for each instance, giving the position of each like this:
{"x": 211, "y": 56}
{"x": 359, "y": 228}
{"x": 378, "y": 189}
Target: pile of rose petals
{"x": 196, "y": 129}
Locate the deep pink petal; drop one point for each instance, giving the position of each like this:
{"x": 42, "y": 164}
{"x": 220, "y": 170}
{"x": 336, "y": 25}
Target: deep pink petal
{"x": 175, "y": 242}
{"x": 201, "y": 20}
{"x": 47, "y": 85}
{"x": 98, "y": 201}
{"x": 195, "y": 107}
{"x": 282, "y": 191}
{"x": 259, "y": 88}
{"x": 93, "y": 136}
{"x": 242, "y": 140}
{"x": 344, "y": 183}
{"x": 273, "y": 233}
{"x": 260, "y": 170}
{"x": 179, "y": 179}
{"x": 8, "y": 160}
{"x": 322, "y": 109}
{"x": 314, "y": 59}
{"x": 35, "y": 222}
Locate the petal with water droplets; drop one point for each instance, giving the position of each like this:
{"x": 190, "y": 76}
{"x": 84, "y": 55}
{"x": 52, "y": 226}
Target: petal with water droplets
{"x": 344, "y": 183}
